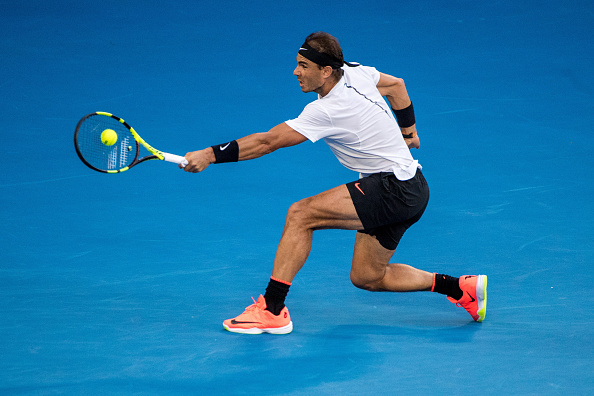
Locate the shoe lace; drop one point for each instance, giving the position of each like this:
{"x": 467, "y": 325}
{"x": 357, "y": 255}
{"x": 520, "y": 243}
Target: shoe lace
{"x": 252, "y": 306}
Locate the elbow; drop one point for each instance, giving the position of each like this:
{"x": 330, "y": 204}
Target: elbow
{"x": 265, "y": 143}
{"x": 395, "y": 88}
{"x": 398, "y": 84}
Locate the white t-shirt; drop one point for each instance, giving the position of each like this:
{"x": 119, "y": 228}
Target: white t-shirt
{"x": 358, "y": 125}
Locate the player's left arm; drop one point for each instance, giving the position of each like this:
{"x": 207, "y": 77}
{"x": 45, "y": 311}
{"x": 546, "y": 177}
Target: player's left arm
{"x": 258, "y": 144}
{"x": 394, "y": 89}
{"x": 248, "y": 147}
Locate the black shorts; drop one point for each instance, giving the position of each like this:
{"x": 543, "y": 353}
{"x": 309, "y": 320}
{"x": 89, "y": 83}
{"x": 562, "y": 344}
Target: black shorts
{"x": 387, "y": 207}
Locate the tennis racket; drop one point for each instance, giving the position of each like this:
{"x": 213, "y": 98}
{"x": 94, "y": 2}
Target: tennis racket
{"x": 107, "y": 144}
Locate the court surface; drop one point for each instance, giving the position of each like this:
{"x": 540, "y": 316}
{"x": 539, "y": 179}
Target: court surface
{"x": 118, "y": 284}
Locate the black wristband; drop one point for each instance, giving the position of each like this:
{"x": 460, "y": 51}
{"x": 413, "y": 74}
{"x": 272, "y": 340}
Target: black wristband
{"x": 405, "y": 117}
{"x": 227, "y": 152}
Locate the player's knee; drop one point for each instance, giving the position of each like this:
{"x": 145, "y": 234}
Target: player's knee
{"x": 298, "y": 214}
{"x": 365, "y": 282}
{"x": 357, "y": 282}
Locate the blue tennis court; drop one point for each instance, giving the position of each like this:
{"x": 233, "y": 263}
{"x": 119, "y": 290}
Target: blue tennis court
{"x": 119, "y": 284}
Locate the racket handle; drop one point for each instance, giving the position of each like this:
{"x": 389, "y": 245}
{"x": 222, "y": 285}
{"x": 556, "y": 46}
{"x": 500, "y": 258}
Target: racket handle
{"x": 176, "y": 159}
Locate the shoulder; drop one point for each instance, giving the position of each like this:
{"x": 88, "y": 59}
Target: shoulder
{"x": 386, "y": 80}
{"x": 360, "y": 71}
{"x": 314, "y": 122}
{"x": 314, "y": 112}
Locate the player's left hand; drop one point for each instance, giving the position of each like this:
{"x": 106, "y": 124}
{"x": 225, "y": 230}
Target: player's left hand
{"x": 198, "y": 160}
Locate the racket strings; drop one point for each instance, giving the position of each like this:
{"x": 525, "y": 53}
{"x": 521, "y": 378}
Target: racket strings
{"x": 110, "y": 158}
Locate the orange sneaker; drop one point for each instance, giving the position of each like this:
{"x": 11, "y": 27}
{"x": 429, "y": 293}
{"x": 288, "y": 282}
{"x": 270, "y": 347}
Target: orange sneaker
{"x": 474, "y": 299}
{"x": 257, "y": 320}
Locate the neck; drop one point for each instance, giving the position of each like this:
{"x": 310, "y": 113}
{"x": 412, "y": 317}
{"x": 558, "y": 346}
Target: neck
{"x": 327, "y": 87}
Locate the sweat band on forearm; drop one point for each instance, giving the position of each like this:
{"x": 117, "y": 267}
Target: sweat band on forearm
{"x": 226, "y": 152}
{"x": 405, "y": 117}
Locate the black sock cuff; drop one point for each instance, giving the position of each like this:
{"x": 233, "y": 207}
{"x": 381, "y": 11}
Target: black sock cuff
{"x": 448, "y": 285}
{"x": 275, "y": 295}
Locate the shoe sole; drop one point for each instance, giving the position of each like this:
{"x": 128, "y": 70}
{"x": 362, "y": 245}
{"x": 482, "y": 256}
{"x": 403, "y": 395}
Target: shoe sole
{"x": 481, "y": 296}
{"x": 255, "y": 330}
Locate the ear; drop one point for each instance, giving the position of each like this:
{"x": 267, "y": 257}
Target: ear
{"x": 327, "y": 71}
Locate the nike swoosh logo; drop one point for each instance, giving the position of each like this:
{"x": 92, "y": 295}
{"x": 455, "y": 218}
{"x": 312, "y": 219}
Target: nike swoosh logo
{"x": 359, "y": 188}
{"x": 239, "y": 322}
{"x": 471, "y": 298}
{"x": 225, "y": 146}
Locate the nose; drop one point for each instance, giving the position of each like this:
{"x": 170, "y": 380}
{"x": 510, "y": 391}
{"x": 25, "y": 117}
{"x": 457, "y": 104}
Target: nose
{"x": 295, "y": 72}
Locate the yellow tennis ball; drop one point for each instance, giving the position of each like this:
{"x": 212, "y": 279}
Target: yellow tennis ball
{"x": 109, "y": 137}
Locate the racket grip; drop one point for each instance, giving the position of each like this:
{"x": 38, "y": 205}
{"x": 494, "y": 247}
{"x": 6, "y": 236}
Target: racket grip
{"x": 176, "y": 159}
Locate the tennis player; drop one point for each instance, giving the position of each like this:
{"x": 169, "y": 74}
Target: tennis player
{"x": 391, "y": 194}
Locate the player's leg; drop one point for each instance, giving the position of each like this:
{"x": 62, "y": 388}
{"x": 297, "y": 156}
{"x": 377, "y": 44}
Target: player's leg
{"x": 375, "y": 245}
{"x": 329, "y": 209}
{"x": 332, "y": 209}
{"x": 371, "y": 270}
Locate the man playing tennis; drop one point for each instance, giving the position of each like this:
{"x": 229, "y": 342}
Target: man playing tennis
{"x": 352, "y": 117}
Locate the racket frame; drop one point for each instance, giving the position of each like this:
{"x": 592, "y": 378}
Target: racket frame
{"x": 155, "y": 154}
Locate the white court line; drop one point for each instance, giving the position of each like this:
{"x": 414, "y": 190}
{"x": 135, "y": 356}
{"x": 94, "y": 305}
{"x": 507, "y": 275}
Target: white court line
{"x": 41, "y": 181}
{"x": 531, "y": 242}
{"x": 524, "y": 188}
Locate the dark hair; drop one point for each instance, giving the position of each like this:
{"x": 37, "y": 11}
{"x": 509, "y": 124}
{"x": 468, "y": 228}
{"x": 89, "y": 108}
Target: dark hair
{"x": 328, "y": 44}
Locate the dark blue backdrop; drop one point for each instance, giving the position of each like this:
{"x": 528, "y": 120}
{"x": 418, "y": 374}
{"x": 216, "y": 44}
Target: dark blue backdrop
{"x": 118, "y": 284}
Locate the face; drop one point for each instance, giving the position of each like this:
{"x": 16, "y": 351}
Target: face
{"x": 310, "y": 76}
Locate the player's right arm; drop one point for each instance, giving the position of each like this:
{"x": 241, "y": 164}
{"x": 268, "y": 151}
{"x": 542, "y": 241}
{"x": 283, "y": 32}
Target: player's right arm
{"x": 250, "y": 147}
